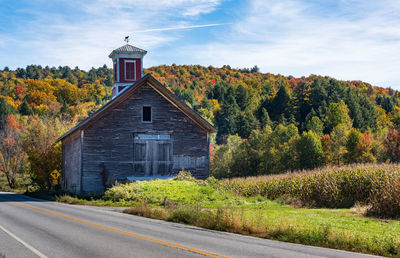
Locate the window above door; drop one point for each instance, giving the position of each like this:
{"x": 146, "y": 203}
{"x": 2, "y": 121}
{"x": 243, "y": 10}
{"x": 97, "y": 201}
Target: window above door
{"x": 145, "y": 136}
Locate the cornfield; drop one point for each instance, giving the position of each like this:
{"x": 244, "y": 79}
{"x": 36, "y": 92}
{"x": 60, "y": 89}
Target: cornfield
{"x": 332, "y": 187}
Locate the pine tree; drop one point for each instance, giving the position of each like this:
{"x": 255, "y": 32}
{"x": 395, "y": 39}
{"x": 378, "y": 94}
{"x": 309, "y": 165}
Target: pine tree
{"x": 24, "y": 109}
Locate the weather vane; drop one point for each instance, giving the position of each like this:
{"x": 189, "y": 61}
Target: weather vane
{"x": 126, "y": 39}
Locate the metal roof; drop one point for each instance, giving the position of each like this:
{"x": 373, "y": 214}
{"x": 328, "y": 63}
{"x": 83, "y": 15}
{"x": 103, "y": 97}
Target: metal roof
{"x": 192, "y": 114}
{"x": 128, "y": 49}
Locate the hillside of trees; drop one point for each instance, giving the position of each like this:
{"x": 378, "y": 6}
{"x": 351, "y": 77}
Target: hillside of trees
{"x": 266, "y": 123}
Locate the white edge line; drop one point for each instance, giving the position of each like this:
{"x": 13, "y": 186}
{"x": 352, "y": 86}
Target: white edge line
{"x": 23, "y": 243}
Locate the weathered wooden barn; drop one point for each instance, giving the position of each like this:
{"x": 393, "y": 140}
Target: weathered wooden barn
{"x": 145, "y": 131}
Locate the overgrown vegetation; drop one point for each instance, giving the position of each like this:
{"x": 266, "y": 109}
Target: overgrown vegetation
{"x": 229, "y": 205}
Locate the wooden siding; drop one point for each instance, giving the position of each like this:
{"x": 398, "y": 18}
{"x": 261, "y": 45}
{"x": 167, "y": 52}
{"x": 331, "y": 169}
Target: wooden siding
{"x": 72, "y": 153}
{"x": 108, "y": 145}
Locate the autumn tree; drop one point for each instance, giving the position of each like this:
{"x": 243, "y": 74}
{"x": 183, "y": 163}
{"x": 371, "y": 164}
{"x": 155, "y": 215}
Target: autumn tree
{"x": 44, "y": 154}
{"x": 12, "y": 155}
{"x": 338, "y": 113}
{"x": 392, "y": 145}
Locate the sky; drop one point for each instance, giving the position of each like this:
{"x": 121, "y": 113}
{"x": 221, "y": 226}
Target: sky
{"x": 344, "y": 39}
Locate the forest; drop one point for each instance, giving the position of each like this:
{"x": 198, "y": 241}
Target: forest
{"x": 267, "y": 123}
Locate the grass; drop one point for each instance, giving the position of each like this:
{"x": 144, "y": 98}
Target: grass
{"x": 210, "y": 204}
{"x": 226, "y": 205}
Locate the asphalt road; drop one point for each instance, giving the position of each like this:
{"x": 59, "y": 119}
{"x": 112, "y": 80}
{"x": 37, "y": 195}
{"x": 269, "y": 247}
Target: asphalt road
{"x": 35, "y": 228}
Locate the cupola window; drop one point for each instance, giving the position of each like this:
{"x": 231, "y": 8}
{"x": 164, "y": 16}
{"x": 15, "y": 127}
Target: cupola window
{"x": 130, "y": 70}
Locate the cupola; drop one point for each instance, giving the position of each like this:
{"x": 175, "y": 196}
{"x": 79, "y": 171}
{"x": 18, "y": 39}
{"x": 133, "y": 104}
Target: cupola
{"x": 128, "y": 67}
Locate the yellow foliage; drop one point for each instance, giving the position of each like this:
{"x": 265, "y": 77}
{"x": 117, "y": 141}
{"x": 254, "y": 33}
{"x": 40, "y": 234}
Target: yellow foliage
{"x": 215, "y": 105}
{"x": 11, "y": 101}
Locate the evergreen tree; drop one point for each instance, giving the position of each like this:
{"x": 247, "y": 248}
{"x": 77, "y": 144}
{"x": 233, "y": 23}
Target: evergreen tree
{"x": 243, "y": 98}
{"x": 280, "y": 104}
{"x": 24, "y": 109}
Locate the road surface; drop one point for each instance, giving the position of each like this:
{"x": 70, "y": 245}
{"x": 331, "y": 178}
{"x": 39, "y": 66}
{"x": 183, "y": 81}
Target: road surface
{"x": 35, "y": 228}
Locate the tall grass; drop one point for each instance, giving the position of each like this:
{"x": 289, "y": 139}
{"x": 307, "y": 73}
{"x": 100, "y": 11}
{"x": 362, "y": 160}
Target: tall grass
{"x": 336, "y": 187}
{"x": 239, "y": 220}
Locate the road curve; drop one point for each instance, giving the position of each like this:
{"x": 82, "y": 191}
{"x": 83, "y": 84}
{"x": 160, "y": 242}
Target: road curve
{"x": 35, "y": 228}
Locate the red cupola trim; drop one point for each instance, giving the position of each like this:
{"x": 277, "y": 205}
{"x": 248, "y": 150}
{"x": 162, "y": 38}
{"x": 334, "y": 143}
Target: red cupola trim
{"x": 127, "y": 65}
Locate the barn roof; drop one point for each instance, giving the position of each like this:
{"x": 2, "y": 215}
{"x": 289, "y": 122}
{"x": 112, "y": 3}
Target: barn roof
{"x": 127, "y": 49}
{"x": 157, "y": 86}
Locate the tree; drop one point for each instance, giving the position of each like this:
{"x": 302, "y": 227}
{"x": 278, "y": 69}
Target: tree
{"x": 280, "y": 104}
{"x": 309, "y": 150}
{"x": 316, "y": 125}
{"x": 392, "y": 145}
{"x": 221, "y": 163}
{"x": 12, "y": 156}
{"x": 5, "y": 110}
{"x": 264, "y": 118}
{"x": 44, "y": 154}
{"x": 338, "y": 138}
{"x": 337, "y": 113}
{"x": 25, "y": 109}
{"x": 352, "y": 142}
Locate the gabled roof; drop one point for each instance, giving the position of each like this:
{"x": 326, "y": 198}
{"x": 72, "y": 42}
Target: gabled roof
{"x": 157, "y": 86}
{"x": 127, "y": 49}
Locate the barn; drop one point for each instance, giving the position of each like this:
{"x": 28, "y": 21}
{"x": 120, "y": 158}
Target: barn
{"x": 143, "y": 132}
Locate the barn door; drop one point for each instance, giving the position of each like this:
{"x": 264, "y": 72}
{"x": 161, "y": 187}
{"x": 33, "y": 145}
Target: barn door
{"x": 152, "y": 155}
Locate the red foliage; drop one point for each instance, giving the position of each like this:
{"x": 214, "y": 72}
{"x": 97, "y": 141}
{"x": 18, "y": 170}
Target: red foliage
{"x": 392, "y": 145}
{"x": 19, "y": 91}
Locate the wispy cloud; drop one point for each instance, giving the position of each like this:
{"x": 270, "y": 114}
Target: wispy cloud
{"x": 181, "y": 27}
{"x": 349, "y": 40}
{"x": 85, "y": 36}
{"x": 346, "y": 39}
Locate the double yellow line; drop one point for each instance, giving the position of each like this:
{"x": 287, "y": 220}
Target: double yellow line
{"x": 123, "y": 232}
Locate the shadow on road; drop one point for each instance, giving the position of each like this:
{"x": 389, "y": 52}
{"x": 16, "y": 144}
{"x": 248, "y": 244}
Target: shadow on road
{"x": 12, "y": 197}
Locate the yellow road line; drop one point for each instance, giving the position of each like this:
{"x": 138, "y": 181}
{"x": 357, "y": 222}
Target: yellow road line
{"x": 123, "y": 232}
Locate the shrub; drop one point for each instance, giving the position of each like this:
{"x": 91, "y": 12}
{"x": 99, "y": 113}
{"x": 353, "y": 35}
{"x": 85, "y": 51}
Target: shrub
{"x": 184, "y": 176}
{"x": 385, "y": 202}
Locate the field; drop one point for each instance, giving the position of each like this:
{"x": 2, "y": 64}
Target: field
{"x": 223, "y": 205}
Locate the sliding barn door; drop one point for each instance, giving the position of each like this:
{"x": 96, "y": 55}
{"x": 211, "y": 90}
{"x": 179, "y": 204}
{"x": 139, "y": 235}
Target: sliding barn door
{"x": 152, "y": 155}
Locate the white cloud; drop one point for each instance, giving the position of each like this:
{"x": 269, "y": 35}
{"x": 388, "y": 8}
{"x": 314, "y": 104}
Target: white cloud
{"x": 86, "y": 37}
{"x": 357, "y": 40}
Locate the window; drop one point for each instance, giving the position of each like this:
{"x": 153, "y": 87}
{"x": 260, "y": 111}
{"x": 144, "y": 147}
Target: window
{"x": 146, "y": 116}
{"x": 130, "y": 70}
{"x": 143, "y": 136}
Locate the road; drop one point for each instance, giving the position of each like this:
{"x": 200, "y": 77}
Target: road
{"x": 35, "y": 228}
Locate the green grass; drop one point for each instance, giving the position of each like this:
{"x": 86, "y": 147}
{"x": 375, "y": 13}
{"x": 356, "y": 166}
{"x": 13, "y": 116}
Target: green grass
{"x": 212, "y": 205}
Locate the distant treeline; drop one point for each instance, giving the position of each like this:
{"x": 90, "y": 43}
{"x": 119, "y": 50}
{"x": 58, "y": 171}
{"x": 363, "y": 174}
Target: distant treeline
{"x": 272, "y": 121}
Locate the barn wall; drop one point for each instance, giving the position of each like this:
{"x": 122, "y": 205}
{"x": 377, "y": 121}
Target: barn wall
{"x": 108, "y": 143}
{"x": 71, "y": 151}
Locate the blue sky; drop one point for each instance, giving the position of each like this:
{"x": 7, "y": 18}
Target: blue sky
{"x": 345, "y": 39}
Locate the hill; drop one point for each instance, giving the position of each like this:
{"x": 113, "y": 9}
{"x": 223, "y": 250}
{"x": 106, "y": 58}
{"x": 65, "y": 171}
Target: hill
{"x": 266, "y": 123}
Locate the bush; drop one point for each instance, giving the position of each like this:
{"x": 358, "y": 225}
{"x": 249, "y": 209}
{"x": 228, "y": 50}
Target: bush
{"x": 336, "y": 187}
{"x": 385, "y": 202}
{"x": 184, "y": 176}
